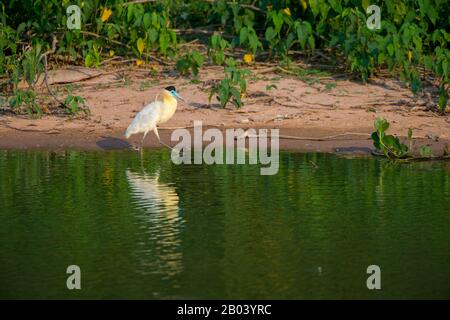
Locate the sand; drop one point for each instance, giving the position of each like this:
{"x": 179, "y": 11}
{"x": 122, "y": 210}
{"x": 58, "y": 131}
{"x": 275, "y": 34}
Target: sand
{"x": 339, "y": 112}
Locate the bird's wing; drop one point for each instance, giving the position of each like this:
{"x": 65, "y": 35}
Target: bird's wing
{"x": 145, "y": 120}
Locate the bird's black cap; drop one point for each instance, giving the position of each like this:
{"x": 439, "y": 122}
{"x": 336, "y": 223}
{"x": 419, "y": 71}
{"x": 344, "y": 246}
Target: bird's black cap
{"x": 170, "y": 88}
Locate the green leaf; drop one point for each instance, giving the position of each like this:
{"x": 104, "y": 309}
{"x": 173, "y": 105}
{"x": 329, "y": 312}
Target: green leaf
{"x": 224, "y": 94}
{"x": 237, "y": 96}
{"x": 198, "y": 58}
{"x": 270, "y": 34}
{"x": 302, "y": 35}
{"x": 147, "y": 20}
{"x": 445, "y": 67}
{"x": 376, "y": 140}
{"x": 155, "y": 20}
{"x": 432, "y": 14}
{"x": 443, "y": 98}
{"x": 277, "y": 19}
{"x": 391, "y": 142}
{"x": 391, "y": 49}
{"x": 215, "y": 41}
{"x": 311, "y": 43}
{"x": 254, "y": 42}
{"x": 314, "y": 4}
{"x": 428, "y": 62}
{"x": 243, "y": 35}
{"x": 152, "y": 35}
{"x": 381, "y": 125}
{"x": 336, "y": 5}
{"x": 219, "y": 57}
{"x": 89, "y": 60}
{"x": 164, "y": 42}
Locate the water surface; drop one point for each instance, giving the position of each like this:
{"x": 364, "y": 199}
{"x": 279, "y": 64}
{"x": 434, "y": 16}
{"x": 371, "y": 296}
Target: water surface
{"x": 141, "y": 227}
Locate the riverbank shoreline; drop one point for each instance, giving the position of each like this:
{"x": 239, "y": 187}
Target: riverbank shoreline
{"x": 291, "y": 139}
{"x": 327, "y": 115}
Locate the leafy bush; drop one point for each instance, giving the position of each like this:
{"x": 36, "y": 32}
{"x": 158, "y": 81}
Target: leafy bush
{"x": 232, "y": 87}
{"x": 191, "y": 61}
{"x": 76, "y": 104}
{"x": 391, "y": 146}
{"x": 25, "y": 99}
{"x": 412, "y": 42}
{"x": 388, "y": 144}
{"x": 217, "y": 48}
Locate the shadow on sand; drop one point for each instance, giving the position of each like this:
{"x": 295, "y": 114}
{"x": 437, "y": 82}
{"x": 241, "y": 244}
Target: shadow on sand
{"x": 111, "y": 143}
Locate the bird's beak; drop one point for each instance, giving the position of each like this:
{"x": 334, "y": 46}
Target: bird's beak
{"x": 180, "y": 97}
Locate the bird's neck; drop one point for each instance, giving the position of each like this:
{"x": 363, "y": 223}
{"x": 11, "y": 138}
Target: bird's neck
{"x": 168, "y": 99}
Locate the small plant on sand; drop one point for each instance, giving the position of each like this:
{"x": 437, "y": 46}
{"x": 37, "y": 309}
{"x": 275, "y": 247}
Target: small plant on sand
{"x": 25, "y": 100}
{"x": 92, "y": 56}
{"x": 391, "y": 146}
{"x": 216, "y": 50}
{"x": 76, "y": 104}
{"x": 190, "y": 62}
{"x": 232, "y": 87}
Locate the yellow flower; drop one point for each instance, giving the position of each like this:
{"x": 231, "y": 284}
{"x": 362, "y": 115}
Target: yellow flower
{"x": 409, "y": 55}
{"x": 111, "y": 53}
{"x": 287, "y": 11}
{"x": 106, "y": 14}
{"x": 248, "y": 58}
{"x": 139, "y": 62}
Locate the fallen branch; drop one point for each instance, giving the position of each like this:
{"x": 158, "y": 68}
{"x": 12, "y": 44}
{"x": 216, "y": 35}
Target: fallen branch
{"x": 325, "y": 138}
{"x": 51, "y": 131}
{"x": 247, "y": 6}
{"x": 88, "y": 33}
{"x": 44, "y": 56}
{"x": 303, "y": 103}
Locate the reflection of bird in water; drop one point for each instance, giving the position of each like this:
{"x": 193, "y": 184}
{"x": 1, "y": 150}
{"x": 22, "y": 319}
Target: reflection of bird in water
{"x": 160, "y": 219}
{"x": 155, "y": 113}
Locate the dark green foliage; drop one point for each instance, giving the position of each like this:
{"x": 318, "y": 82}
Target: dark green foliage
{"x": 412, "y": 42}
{"x": 391, "y": 145}
{"x": 232, "y": 87}
{"x": 192, "y": 61}
{"x": 217, "y": 48}
{"x": 76, "y": 104}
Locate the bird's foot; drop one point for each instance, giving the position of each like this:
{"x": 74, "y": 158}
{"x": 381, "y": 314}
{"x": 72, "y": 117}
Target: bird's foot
{"x": 136, "y": 148}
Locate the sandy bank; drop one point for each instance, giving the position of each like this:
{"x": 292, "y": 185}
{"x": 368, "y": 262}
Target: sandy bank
{"x": 323, "y": 109}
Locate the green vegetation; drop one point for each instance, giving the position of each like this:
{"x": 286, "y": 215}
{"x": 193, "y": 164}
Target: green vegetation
{"x": 233, "y": 87}
{"x": 191, "y": 61}
{"x": 412, "y": 42}
{"x": 391, "y": 146}
{"x": 76, "y": 104}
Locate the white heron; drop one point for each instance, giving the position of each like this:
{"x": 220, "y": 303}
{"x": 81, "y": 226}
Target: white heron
{"x": 155, "y": 113}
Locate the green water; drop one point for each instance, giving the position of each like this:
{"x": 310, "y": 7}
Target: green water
{"x": 142, "y": 227}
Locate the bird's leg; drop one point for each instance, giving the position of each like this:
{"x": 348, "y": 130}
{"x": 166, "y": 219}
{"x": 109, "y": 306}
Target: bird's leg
{"x": 142, "y": 141}
{"x": 159, "y": 139}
